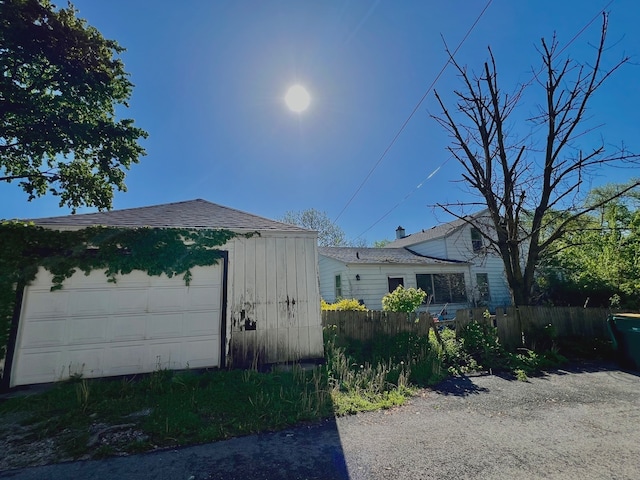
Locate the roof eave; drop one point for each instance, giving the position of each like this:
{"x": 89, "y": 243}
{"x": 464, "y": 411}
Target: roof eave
{"x": 70, "y": 227}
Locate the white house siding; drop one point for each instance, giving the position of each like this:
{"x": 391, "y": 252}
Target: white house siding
{"x": 95, "y": 328}
{"x": 328, "y": 269}
{"x": 499, "y": 292}
{"x": 433, "y": 248}
{"x": 273, "y": 308}
{"x": 459, "y": 247}
{"x": 373, "y": 283}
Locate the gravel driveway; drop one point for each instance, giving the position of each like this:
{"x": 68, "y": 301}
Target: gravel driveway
{"x": 579, "y": 423}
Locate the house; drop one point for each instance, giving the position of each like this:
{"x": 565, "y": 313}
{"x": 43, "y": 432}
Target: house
{"x": 459, "y": 240}
{"x": 367, "y": 274}
{"x": 451, "y": 262}
{"x": 260, "y": 303}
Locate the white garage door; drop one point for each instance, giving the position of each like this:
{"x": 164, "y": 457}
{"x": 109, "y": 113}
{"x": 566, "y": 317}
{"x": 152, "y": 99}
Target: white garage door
{"x": 140, "y": 324}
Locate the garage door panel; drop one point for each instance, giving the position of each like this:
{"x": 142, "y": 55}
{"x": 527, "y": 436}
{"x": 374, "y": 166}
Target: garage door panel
{"x": 43, "y": 303}
{"x": 97, "y": 328}
{"x": 81, "y": 280}
{"x": 125, "y": 359}
{"x": 87, "y": 302}
{"x": 129, "y": 300}
{"x": 44, "y": 333}
{"x": 127, "y": 328}
{"x": 40, "y": 366}
{"x": 163, "y": 299}
{"x": 84, "y": 361}
{"x": 202, "y": 353}
{"x": 165, "y": 325}
{"x": 205, "y": 276}
{"x": 200, "y": 323}
{"x": 164, "y": 281}
{"x": 84, "y": 330}
{"x": 164, "y": 356}
{"x": 135, "y": 278}
{"x": 203, "y": 298}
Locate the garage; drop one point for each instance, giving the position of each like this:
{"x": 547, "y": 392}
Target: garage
{"x": 94, "y": 328}
{"x": 259, "y": 304}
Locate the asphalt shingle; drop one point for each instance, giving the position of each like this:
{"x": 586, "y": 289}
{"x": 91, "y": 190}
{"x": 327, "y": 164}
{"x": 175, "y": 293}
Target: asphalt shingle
{"x": 189, "y": 214}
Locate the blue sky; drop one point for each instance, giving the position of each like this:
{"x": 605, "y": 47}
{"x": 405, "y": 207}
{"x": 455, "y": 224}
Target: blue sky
{"x": 210, "y": 79}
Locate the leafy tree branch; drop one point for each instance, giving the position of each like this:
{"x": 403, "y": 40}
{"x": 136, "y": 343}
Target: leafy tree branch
{"x": 60, "y": 84}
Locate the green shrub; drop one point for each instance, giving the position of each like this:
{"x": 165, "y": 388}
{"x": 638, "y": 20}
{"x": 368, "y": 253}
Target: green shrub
{"x": 343, "y": 304}
{"x": 451, "y": 352}
{"x": 403, "y": 300}
{"x": 481, "y": 342}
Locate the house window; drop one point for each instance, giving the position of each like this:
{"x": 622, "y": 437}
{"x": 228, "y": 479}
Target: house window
{"x": 395, "y": 282}
{"x": 476, "y": 240}
{"x": 338, "y": 285}
{"x": 425, "y": 282}
{"x": 482, "y": 280}
{"x": 445, "y": 287}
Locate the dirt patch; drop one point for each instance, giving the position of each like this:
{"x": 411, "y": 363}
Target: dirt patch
{"x": 22, "y": 444}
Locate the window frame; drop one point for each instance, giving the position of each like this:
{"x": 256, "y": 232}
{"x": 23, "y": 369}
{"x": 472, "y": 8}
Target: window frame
{"x": 337, "y": 284}
{"x": 400, "y": 281}
{"x": 441, "y": 287}
{"x": 484, "y": 292}
{"x": 477, "y": 242}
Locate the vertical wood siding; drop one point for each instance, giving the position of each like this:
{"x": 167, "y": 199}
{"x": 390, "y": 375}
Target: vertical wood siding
{"x": 274, "y": 301}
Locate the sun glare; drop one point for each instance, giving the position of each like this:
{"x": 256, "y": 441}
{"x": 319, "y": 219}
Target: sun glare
{"x": 297, "y": 98}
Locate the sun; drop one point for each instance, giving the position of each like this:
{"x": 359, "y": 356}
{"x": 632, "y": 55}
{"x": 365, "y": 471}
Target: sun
{"x": 297, "y": 98}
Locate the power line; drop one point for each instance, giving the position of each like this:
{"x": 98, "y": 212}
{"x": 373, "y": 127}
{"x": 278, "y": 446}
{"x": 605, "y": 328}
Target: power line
{"x": 595, "y": 17}
{"x": 415, "y": 109}
{"x": 406, "y": 197}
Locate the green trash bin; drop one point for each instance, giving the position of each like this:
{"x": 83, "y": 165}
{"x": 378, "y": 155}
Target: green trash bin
{"x": 625, "y": 334}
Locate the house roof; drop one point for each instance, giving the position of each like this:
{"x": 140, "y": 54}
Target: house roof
{"x": 353, "y": 255}
{"x": 439, "y": 231}
{"x": 189, "y": 214}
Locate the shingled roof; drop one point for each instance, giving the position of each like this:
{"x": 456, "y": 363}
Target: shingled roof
{"x": 353, "y": 255}
{"x": 189, "y": 214}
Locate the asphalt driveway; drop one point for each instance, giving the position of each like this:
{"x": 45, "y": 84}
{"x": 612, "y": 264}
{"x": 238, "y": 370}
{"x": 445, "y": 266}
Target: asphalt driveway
{"x": 582, "y": 423}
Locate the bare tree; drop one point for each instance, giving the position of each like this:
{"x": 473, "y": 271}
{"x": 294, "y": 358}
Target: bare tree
{"x": 523, "y": 186}
{"x": 329, "y": 234}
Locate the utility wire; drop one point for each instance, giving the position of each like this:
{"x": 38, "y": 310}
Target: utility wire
{"x": 415, "y": 109}
{"x": 573, "y": 39}
{"x": 406, "y": 197}
{"x": 595, "y": 17}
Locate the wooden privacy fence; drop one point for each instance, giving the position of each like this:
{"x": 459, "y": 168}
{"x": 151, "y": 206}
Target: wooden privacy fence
{"x": 513, "y": 324}
{"x": 365, "y": 325}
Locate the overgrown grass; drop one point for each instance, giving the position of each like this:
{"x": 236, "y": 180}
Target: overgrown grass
{"x": 177, "y": 408}
{"x": 168, "y": 408}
